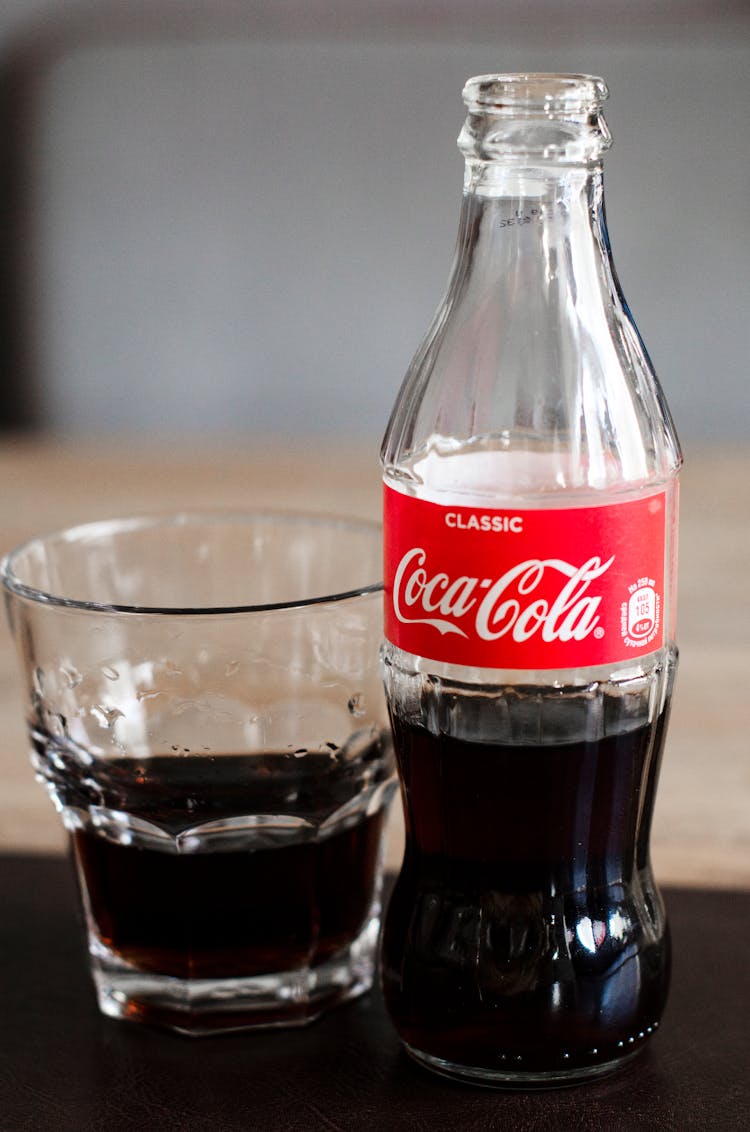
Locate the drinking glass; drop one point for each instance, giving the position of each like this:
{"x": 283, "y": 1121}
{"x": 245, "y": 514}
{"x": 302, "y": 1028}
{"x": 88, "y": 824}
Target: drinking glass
{"x": 206, "y": 711}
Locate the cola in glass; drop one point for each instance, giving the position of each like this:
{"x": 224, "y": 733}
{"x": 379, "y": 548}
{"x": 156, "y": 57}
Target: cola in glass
{"x": 530, "y": 535}
{"x": 215, "y": 913}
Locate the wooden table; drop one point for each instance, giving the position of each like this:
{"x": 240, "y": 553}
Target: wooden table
{"x": 702, "y": 826}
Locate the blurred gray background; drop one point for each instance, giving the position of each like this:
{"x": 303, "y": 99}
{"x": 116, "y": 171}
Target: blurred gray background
{"x": 240, "y": 217}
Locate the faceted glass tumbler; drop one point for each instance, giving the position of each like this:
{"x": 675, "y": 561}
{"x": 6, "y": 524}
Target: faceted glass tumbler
{"x": 206, "y": 711}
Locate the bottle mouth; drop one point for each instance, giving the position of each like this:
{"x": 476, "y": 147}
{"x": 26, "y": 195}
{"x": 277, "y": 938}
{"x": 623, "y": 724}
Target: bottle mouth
{"x": 537, "y": 118}
{"x": 545, "y": 93}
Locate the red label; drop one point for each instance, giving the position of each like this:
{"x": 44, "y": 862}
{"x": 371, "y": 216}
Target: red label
{"x": 524, "y": 589}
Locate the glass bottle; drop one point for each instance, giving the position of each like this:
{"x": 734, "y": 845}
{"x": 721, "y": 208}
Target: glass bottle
{"x": 530, "y": 478}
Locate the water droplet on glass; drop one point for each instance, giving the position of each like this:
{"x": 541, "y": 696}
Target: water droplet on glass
{"x": 110, "y": 672}
{"x": 356, "y": 705}
{"x": 232, "y": 668}
{"x": 56, "y": 724}
{"x": 107, "y": 716}
{"x": 71, "y": 676}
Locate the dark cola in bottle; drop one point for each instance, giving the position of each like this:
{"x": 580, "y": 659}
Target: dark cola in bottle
{"x": 530, "y": 519}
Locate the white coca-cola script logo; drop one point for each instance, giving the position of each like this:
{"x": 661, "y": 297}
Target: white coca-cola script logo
{"x": 569, "y": 615}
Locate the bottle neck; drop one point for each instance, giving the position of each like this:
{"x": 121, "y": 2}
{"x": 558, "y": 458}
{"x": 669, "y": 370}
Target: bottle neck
{"x": 533, "y": 186}
{"x": 502, "y": 180}
{"x": 539, "y": 235}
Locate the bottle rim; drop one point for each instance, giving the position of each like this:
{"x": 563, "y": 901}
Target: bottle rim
{"x": 545, "y": 119}
{"x": 540, "y": 91}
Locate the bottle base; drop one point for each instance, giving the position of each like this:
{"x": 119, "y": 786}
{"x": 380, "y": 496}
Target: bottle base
{"x": 505, "y": 1077}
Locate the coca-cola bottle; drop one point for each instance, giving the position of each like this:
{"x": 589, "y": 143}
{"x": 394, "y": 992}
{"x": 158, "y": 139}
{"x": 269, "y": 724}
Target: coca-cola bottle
{"x": 530, "y": 470}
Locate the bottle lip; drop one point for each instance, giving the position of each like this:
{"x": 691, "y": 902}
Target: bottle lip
{"x": 545, "y": 92}
{"x": 539, "y": 118}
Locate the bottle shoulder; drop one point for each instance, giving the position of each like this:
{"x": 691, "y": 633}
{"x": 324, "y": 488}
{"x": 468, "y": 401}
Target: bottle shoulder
{"x": 493, "y": 471}
{"x": 533, "y": 350}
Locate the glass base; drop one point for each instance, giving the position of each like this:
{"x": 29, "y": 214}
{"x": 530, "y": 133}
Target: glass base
{"x": 201, "y": 1007}
{"x": 507, "y": 1078}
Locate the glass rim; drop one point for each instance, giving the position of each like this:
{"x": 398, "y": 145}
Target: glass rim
{"x": 13, "y": 583}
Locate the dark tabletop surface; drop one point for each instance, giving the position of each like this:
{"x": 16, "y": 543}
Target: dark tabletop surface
{"x": 62, "y": 1066}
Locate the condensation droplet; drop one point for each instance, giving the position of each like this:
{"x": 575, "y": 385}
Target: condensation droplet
{"x": 232, "y": 668}
{"x": 57, "y": 724}
{"x": 71, "y": 675}
{"x": 147, "y": 694}
{"x": 107, "y": 716}
{"x": 110, "y": 672}
{"x": 356, "y": 705}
